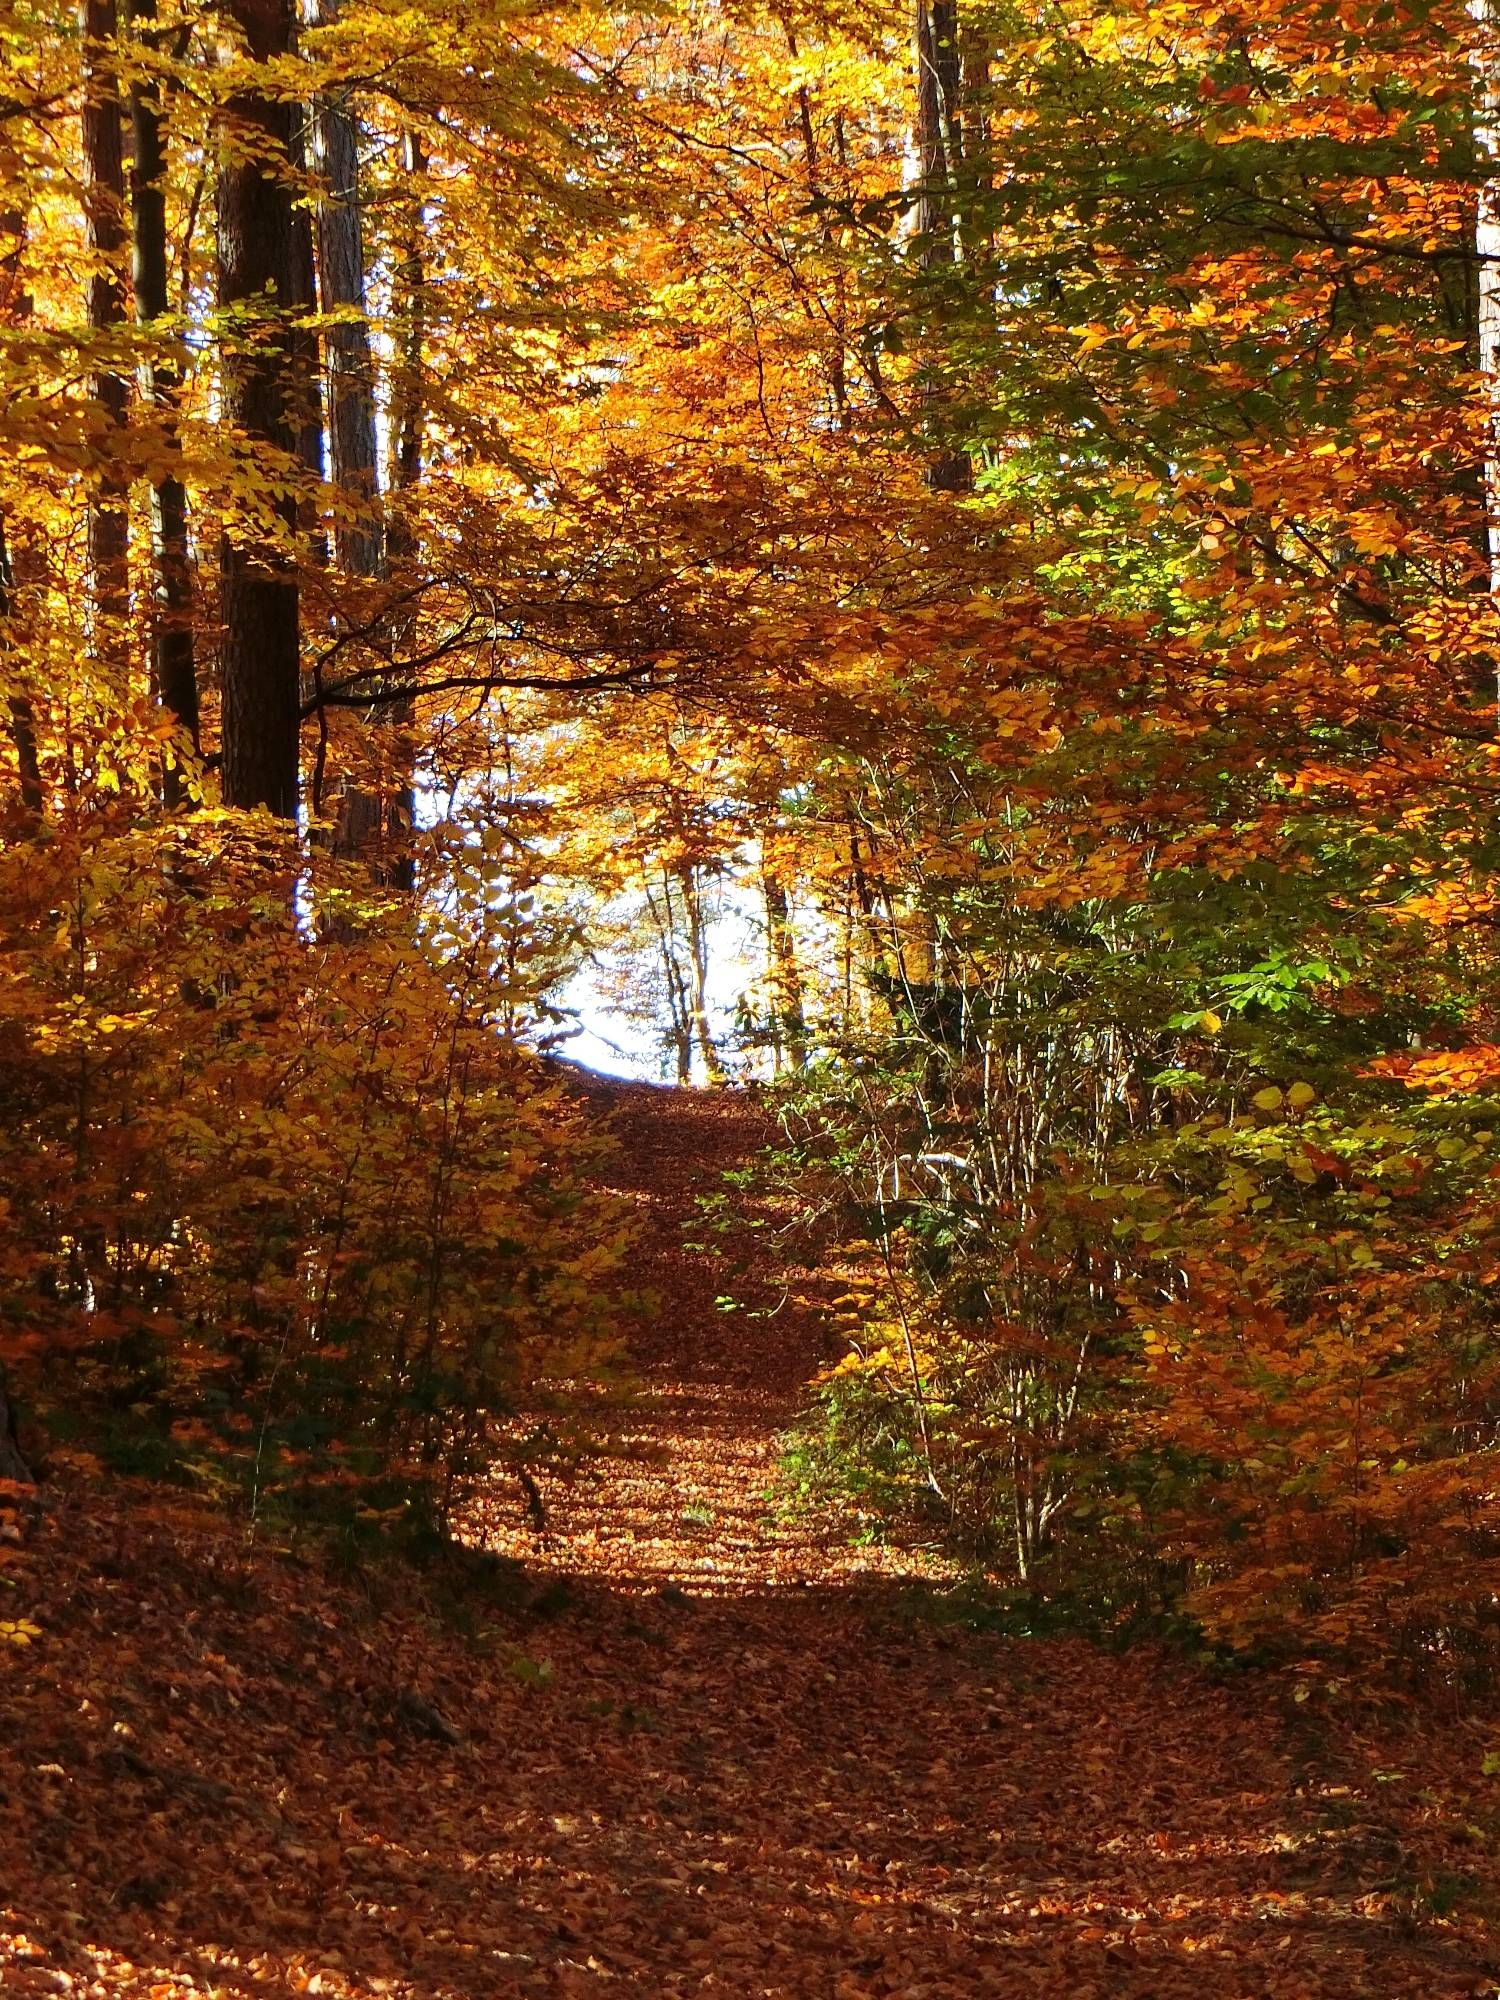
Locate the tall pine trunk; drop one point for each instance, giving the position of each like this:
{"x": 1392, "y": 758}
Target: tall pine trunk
{"x": 173, "y": 667}
{"x": 104, "y": 214}
{"x": 265, "y": 401}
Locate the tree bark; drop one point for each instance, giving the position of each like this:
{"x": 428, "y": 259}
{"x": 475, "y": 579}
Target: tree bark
{"x": 1487, "y": 257}
{"x": 939, "y": 127}
{"x": 258, "y": 291}
{"x": 104, "y": 215}
{"x": 350, "y": 374}
{"x": 15, "y": 309}
{"x": 407, "y": 402}
{"x": 366, "y": 815}
{"x": 385, "y": 824}
{"x": 305, "y": 382}
{"x": 22, "y": 716}
{"x": 13, "y": 1466}
{"x": 678, "y": 991}
{"x": 940, "y": 154}
{"x": 173, "y": 666}
{"x": 697, "y": 937}
{"x": 788, "y": 1011}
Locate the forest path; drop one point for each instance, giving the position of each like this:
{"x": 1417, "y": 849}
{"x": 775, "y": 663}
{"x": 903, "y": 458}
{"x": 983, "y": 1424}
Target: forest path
{"x": 728, "y": 1759}
{"x": 806, "y": 1782}
{"x": 724, "y": 1350}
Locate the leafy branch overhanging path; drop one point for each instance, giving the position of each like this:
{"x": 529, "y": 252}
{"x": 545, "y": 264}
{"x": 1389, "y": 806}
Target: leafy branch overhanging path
{"x": 728, "y": 1765}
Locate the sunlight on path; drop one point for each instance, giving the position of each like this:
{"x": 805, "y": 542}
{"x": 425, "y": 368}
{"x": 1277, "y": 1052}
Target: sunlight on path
{"x": 735, "y": 1760}
{"x": 686, "y": 1499}
{"x": 686, "y": 1494}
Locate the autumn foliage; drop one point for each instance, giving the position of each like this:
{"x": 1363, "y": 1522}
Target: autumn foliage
{"x": 1003, "y": 517}
{"x": 296, "y": 1212}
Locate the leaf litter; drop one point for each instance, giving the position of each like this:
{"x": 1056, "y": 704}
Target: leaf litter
{"x": 707, "y": 1750}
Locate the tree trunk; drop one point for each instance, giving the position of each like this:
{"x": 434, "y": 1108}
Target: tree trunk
{"x": 408, "y": 416}
{"x": 305, "y": 380}
{"x": 394, "y": 816}
{"x": 104, "y": 214}
{"x": 788, "y": 1015}
{"x": 1487, "y": 258}
{"x": 13, "y": 1467}
{"x": 940, "y": 155}
{"x": 258, "y": 288}
{"x": 976, "y": 133}
{"x": 15, "y": 309}
{"x": 173, "y": 668}
{"x": 22, "y": 716}
{"x": 838, "y": 383}
{"x": 697, "y": 930}
{"x": 939, "y": 127}
{"x": 350, "y": 383}
{"x": 679, "y": 998}
{"x": 365, "y": 814}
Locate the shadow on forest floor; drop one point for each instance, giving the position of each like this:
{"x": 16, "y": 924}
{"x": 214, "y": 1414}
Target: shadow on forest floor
{"x": 730, "y": 1762}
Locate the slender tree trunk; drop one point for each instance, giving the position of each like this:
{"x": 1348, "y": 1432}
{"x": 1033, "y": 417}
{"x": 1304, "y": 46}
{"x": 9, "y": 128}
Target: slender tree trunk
{"x": 305, "y": 384}
{"x": 13, "y": 1467}
{"x": 408, "y": 412}
{"x": 838, "y": 379}
{"x": 365, "y": 812}
{"x": 1487, "y": 257}
{"x": 679, "y": 999}
{"x": 350, "y": 383}
{"x": 976, "y": 136}
{"x": 697, "y": 930}
{"x": 104, "y": 214}
{"x": 265, "y": 401}
{"x": 173, "y": 667}
{"x": 15, "y": 309}
{"x": 939, "y": 126}
{"x": 940, "y": 155}
{"x": 789, "y": 1020}
{"x": 397, "y": 811}
{"x": 22, "y": 716}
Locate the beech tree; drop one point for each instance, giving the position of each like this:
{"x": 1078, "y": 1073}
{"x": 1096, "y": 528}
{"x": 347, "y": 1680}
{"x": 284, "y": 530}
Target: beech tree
{"x": 343, "y": 301}
{"x": 173, "y": 642}
{"x": 266, "y": 394}
{"x": 104, "y": 209}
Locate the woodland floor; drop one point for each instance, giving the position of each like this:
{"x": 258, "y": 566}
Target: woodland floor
{"x": 702, "y": 1752}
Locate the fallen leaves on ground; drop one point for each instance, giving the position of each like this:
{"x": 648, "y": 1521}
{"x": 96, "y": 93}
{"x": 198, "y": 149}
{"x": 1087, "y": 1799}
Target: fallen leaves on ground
{"x": 725, "y": 1759}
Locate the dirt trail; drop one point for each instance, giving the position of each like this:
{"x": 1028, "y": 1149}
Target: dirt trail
{"x": 234, "y": 1775}
{"x": 724, "y": 1352}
